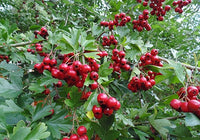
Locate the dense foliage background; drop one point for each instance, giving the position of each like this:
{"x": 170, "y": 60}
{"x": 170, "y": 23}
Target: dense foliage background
{"x": 25, "y": 111}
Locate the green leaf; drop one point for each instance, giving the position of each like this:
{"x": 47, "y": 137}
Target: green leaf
{"x": 179, "y": 131}
{"x": 92, "y": 100}
{"x": 75, "y": 96}
{"x": 179, "y": 70}
{"x": 88, "y": 81}
{"x": 191, "y": 120}
{"x": 41, "y": 111}
{"x": 96, "y": 29}
{"x": 10, "y": 107}
{"x": 31, "y": 57}
{"x": 20, "y": 131}
{"x": 58, "y": 123}
{"x": 111, "y": 135}
{"x": 160, "y": 125}
{"x": 9, "y": 90}
{"x": 36, "y": 87}
{"x": 12, "y": 69}
{"x": 75, "y": 35}
{"x": 104, "y": 69}
{"x": 92, "y": 55}
{"x": 141, "y": 134}
{"x": 38, "y": 132}
{"x": 106, "y": 122}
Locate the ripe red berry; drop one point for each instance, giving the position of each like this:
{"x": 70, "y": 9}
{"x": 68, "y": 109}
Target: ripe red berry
{"x": 145, "y": 3}
{"x": 145, "y": 12}
{"x": 74, "y": 137}
{"x": 193, "y": 105}
{"x": 84, "y": 137}
{"x": 111, "y": 102}
{"x": 115, "y": 52}
{"x": 122, "y": 15}
{"x": 76, "y": 65}
{"x": 107, "y": 111}
{"x": 102, "y": 98}
{"x": 175, "y": 104}
{"x": 96, "y": 110}
{"x": 81, "y": 130}
{"x": 94, "y": 75}
{"x": 46, "y": 60}
{"x": 117, "y": 17}
{"x": 167, "y": 8}
{"x": 118, "y": 106}
{"x": 192, "y": 91}
{"x": 154, "y": 52}
{"x": 85, "y": 68}
{"x": 184, "y": 107}
{"x": 94, "y": 85}
{"x": 63, "y": 67}
{"x": 121, "y": 54}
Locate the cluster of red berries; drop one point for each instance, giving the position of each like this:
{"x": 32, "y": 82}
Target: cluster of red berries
{"x": 4, "y": 57}
{"x": 120, "y": 20}
{"x": 74, "y": 73}
{"x": 150, "y": 59}
{"x": 43, "y": 33}
{"x": 188, "y": 101}
{"x": 38, "y": 48}
{"x": 145, "y": 83}
{"x": 119, "y": 61}
{"x": 46, "y": 91}
{"x": 81, "y": 134}
{"x": 102, "y": 54}
{"x": 180, "y": 4}
{"x": 141, "y": 83}
{"x": 158, "y": 10}
{"x": 107, "y": 106}
{"x": 108, "y": 42}
{"x": 142, "y": 22}
{"x": 156, "y": 5}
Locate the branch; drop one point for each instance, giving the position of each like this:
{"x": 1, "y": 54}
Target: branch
{"x": 185, "y": 65}
{"x": 169, "y": 118}
{"x": 21, "y": 44}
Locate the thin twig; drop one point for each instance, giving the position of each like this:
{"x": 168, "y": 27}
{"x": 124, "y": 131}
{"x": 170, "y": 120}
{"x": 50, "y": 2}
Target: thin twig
{"x": 185, "y": 65}
{"x": 169, "y": 118}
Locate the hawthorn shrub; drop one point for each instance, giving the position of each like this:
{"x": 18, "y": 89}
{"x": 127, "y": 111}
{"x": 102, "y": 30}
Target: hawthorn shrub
{"x": 109, "y": 70}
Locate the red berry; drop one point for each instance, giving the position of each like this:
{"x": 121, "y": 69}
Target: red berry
{"x": 117, "y": 17}
{"x": 94, "y": 75}
{"x": 193, "y": 105}
{"x": 74, "y": 137}
{"x": 84, "y": 137}
{"x": 145, "y": 3}
{"x": 154, "y": 52}
{"x": 192, "y": 91}
{"x": 108, "y": 111}
{"x": 175, "y": 104}
{"x": 118, "y": 106}
{"x": 111, "y": 102}
{"x": 122, "y": 15}
{"x": 81, "y": 130}
{"x": 167, "y": 8}
{"x": 63, "y": 67}
{"x": 121, "y": 54}
{"x": 94, "y": 85}
{"x": 53, "y": 62}
{"x": 85, "y": 68}
{"x": 102, "y": 98}
{"x": 46, "y": 60}
{"x": 145, "y": 12}
{"x": 184, "y": 107}
{"x": 96, "y": 110}
{"x": 76, "y": 65}
{"x": 115, "y": 52}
